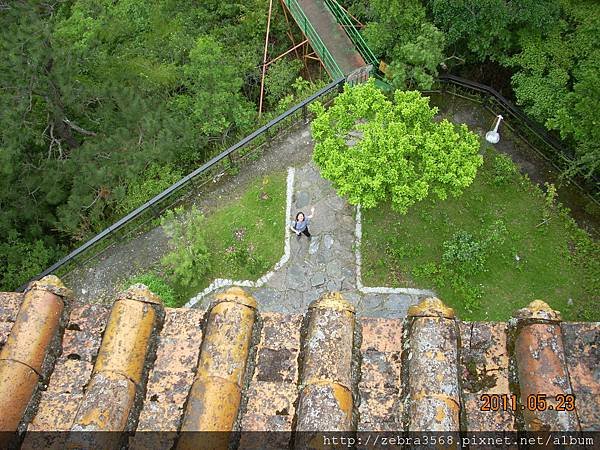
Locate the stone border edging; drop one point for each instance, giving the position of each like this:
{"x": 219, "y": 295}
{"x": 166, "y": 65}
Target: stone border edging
{"x": 225, "y": 282}
{"x": 376, "y": 290}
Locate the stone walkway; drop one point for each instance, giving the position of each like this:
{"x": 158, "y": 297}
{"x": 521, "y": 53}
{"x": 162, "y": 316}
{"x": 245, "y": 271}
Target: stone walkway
{"x": 327, "y": 262}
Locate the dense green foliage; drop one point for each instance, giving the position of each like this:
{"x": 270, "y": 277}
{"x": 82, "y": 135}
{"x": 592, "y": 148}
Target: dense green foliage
{"x": 550, "y": 46}
{"x": 374, "y": 150}
{"x": 557, "y": 80}
{"x": 190, "y": 259}
{"x": 399, "y": 32}
{"x": 106, "y": 103}
{"x": 488, "y": 251}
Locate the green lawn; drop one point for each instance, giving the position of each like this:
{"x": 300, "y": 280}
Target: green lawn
{"x": 254, "y": 222}
{"x": 554, "y": 261}
{"x": 244, "y": 236}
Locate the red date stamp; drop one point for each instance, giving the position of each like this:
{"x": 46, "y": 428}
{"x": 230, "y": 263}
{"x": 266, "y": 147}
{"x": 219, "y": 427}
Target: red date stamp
{"x": 537, "y": 402}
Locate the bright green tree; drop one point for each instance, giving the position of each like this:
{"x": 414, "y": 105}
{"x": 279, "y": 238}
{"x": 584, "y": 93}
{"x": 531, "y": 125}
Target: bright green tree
{"x": 376, "y": 150}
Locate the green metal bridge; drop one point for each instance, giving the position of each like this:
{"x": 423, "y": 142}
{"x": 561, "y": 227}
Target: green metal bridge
{"x": 335, "y": 39}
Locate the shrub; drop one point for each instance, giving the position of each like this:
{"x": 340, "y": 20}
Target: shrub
{"x": 158, "y": 286}
{"x": 550, "y": 201}
{"x": 190, "y": 259}
{"x": 463, "y": 254}
{"x": 20, "y": 260}
{"x": 503, "y": 169}
{"x": 240, "y": 255}
{"x": 154, "y": 180}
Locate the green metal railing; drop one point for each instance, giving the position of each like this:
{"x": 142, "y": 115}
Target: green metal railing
{"x": 315, "y": 40}
{"x": 360, "y": 44}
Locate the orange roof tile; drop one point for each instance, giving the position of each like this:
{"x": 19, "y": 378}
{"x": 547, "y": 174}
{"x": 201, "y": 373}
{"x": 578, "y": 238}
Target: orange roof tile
{"x": 140, "y": 368}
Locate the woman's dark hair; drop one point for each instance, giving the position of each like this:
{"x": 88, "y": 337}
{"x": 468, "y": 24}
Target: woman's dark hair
{"x": 299, "y": 215}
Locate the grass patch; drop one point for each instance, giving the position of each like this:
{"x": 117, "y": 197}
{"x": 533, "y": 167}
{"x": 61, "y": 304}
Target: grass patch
{"x": 157, "y": 285}
{"x": 241, "y": 239}
{"x": 500, "y": 245}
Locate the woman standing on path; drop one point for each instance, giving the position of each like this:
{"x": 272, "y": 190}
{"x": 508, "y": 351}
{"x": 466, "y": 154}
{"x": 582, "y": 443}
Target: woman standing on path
{"x": 300, "y": 225}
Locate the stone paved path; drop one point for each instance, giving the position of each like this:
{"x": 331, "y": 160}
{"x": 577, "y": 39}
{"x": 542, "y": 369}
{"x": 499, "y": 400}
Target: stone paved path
{"x": 327, "y": 262}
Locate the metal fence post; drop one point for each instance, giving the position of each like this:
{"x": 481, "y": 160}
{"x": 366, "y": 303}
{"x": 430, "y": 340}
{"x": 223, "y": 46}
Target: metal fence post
{"x": 305, "y": 114}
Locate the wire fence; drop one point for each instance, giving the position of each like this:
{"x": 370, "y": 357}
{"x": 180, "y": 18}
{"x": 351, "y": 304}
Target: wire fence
{"x": 177, "y": 193}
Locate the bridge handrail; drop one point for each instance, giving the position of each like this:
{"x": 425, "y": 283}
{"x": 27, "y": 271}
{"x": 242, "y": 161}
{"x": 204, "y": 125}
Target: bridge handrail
{"x": 336, "y": 84}
{"x": 352, "y": 32}
{"x": 317, "y": 43}
{"x": 507, "y": 104}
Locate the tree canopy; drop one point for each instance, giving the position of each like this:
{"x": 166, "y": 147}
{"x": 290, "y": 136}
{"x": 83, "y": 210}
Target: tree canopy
{"x": 557, "y": 76}
{"x": 548, "y": 46}
{"x": 104, "y": 102}
{"x": 399, "y": 32}
{"x": 374, "y": 149}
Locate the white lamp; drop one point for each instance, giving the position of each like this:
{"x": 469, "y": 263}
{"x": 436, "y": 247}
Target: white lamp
{"x": 492, "y": 136}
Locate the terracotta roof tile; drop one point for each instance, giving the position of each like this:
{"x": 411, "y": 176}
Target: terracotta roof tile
{"x": 541, "y": 366}
{"x": 273, "y": 390}
{"x": 9, "y": 305}
{"x": 484, "y": 371}
{"x": 433, "y": 401}
{"x": 582, "y": 350}
{"x": 67, "y": 382}
{"x": 326, "y": 370}
{"x": 325, "y": 401}
{"x": 26, "y": 356}
{"x": 119, "y": 371}
{"x": 380, "y": 386}
{"x": 384, "y": 335}
{"x": 214, "y": 399}
{"x": 170, "y": 379}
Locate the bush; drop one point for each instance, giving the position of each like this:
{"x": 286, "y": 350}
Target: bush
{"x": 20, "y": 260}
{"x": 190, "y": 259}
{"x": 154, "y": 180}
{"x": 158, "y": 286}
{"x": 503, "y": 169}
{"x": 240, "y": 255}
{"x": 464, "y": 254}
